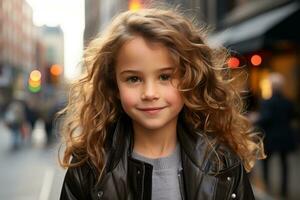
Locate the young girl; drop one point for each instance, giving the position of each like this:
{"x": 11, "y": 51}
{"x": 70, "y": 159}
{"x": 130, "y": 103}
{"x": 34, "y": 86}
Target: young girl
{"x": 156, "y": 117}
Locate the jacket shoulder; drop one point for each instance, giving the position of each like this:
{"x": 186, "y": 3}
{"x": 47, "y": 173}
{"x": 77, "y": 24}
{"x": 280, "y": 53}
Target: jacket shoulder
{"x": 219, "y": 157}
{"x": 78, "y": 181}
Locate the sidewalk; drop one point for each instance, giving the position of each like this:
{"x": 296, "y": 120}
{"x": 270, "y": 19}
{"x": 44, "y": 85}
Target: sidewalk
{"x": 275, "y": 176}
{"x": 32, "y": 171}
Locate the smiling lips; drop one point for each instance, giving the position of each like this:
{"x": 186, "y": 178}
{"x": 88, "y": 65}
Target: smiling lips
{"x": 151, "y": 111}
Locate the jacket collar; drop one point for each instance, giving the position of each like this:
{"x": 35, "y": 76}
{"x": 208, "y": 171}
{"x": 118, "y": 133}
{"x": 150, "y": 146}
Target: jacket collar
{"x": 194, "y": 144}
{"x": 121, "y": 143}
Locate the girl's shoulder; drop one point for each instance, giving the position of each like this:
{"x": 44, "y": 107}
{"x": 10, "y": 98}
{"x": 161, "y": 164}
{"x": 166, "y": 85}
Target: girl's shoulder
{"x": 82, "y": 169}
{"x": 79, "y": 180}
{"x": 218, "y": 156}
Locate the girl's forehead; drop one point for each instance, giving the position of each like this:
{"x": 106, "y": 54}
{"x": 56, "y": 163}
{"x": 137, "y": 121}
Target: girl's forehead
{"x": 142, "y": 44}
{"x": 139, "y": 50}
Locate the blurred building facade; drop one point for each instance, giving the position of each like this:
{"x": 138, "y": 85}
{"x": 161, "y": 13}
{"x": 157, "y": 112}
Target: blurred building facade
{"x": 98, "y": 14}
{"x": 92, "y": 19}
{"x": 53, "y": 38}
{"x": 211, "y": 12}
{"x": 52, "y": 58}
{"x": 25, "y": 48}
{"x": 17, "y": 46}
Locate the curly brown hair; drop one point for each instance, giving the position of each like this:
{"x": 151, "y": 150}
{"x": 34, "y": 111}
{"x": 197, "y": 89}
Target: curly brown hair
{"x": 211, "y": 102}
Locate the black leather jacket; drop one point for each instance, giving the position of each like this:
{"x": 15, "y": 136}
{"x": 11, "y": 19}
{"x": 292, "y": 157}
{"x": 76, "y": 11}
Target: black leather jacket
{"x": 205, "y": 175}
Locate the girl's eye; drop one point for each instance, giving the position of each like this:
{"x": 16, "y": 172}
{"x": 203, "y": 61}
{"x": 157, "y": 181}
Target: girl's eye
{"x": 165, "y": 77}
{"x": 132, "y": 79}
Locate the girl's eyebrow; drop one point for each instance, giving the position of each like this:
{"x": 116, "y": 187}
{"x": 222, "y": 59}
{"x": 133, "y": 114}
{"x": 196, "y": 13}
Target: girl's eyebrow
{"x": 166, "y": 69}
{"x": 138, "y": 71}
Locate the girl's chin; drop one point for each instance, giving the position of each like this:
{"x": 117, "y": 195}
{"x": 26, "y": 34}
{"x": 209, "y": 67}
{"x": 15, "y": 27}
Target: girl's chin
{"x": 152, "y": 125}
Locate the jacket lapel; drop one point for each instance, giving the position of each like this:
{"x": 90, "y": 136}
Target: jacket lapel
{"x": 194, "y": 153}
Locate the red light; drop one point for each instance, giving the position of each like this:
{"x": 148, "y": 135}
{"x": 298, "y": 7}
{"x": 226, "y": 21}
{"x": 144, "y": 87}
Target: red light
{"x": 233, "y": 62}
{"x": 256, "y": 60}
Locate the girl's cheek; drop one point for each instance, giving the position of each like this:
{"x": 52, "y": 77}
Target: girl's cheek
{"x": 173, "y": 95}
{"x": 128, "y": 98}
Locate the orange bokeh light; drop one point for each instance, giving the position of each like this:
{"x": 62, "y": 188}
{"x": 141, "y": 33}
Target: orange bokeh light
{"x": 56, "y": 70}
{"x": 256, "y": 60}
{"x": 233, "y": 62}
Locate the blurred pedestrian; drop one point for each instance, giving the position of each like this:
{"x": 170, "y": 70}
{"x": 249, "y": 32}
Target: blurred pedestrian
{"x": 275, "y": 117}
{"x": 14, "y": 119}
{"x": 32, "y": 114}
{"x": 153, "y": 117}
{"x": 50, "y": 118}
{"x": 47, "y": 114}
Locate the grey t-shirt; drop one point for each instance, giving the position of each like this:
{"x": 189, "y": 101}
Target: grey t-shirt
{"x": 165, "y": 180}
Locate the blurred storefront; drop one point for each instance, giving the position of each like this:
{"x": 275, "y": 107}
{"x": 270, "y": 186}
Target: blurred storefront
{"x": 267, "y": 42}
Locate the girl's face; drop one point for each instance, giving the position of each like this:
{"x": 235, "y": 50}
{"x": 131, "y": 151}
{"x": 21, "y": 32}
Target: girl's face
{"x": 147, "y": 89}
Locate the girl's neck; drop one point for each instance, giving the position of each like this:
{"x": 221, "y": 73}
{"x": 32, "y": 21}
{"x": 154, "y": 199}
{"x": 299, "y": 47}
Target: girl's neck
{"x": 155, "y": 143}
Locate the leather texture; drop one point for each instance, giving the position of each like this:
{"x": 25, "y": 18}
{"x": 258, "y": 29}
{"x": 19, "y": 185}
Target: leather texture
{"x": 211, "y": 171}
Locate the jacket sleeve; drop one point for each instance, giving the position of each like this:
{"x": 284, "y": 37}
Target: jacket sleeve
{"x": 72, "y": 188}
{"x": 78, "y": 183}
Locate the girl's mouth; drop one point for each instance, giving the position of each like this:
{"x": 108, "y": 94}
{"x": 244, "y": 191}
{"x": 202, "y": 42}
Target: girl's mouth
{"x": 152, "y": 110}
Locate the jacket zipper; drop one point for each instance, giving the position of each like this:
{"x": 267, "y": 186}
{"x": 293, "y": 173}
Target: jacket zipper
{"x": 181, "y": 186}
{"x": 143, "y": 179}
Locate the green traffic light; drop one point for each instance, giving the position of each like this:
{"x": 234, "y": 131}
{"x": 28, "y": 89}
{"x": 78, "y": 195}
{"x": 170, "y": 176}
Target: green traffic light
{"x": 34, "y": 89}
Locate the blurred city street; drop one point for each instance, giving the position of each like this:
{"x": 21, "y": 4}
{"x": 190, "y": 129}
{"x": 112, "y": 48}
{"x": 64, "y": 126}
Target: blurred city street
{"x": 41, "y": 49}
{"x": 30, "y": 173}
{"x": 275, "y": 175}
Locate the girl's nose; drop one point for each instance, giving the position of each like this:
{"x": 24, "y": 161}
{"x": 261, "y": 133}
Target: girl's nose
{"x": 150, "y": 92}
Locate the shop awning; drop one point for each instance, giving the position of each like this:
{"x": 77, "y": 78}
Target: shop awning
{"x": 254, "y": 33}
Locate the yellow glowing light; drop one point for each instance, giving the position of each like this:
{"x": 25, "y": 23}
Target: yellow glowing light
{"x": 266, "y": 88}
{"x": 34, "y": 83}
{"x": 135, "y": 5}
{"x": 35, "y": 75}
